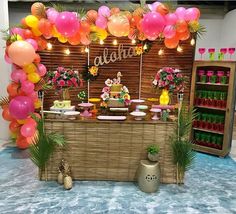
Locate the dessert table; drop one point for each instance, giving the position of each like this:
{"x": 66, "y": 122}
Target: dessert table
{"x": 109, "y": 150}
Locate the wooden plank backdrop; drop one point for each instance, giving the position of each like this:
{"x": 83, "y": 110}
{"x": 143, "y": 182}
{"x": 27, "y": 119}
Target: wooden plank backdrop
{"x": 129, "y": 67}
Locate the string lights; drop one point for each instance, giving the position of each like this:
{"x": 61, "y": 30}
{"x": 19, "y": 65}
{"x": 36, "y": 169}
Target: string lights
{"x": 49, "y": 46}
{"x": 179, "y": 49}
{"x": 101, "y": 42}
{"x": 67, "y": 51}
{"x": 145, "y": 47}
{"x": 86, "y": 50}
{"x": 115, "y": 42}
{"x": 192, "y": 42}
{"x": 133, "y": 41}
{"x": 160, "y": 52}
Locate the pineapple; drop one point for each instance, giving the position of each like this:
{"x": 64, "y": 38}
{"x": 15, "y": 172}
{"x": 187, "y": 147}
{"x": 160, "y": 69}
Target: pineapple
{"x": 68, "y": 183}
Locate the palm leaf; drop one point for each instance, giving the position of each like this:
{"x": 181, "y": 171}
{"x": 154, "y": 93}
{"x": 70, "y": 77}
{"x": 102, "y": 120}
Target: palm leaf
{"x": 4, "y": 101}
{"x": 58, "y": 7}
{"x": 201, "y": 31}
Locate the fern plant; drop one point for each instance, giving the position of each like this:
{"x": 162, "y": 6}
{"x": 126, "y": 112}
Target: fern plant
{"x": 183, "y": 155}
{"x": 43, "y": 145}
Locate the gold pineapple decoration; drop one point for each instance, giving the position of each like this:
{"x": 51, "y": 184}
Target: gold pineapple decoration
{"x": 64, "y": 175}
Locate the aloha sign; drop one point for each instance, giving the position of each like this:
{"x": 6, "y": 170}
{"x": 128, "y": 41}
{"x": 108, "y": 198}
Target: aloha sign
{"x": 114, "y": 56}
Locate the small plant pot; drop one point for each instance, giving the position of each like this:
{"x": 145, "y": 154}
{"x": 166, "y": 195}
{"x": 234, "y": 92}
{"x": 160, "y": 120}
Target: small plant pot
{"x": 153, "y": 157}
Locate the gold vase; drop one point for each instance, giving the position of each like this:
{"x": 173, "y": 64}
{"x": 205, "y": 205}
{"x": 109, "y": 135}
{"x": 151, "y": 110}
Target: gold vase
{"x": 165, "y": 97}
{"x": 65, "y": 95}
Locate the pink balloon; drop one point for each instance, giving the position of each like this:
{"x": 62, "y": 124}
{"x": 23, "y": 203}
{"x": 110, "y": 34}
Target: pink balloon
{"x": 152, "y": 24}
{"x": 7, "y": 59}
{"x": 152, "y": 38}
{"x": 18, "y": 75}
{"x": 20, "y": 107}
{"x": 67, "y": 23}
{"x": 33, "y": 43}
{"x": 42, "y": 70}
{"x": 192, "y": 14}
{"x": 171, "y": 19}
{"x": 27, "y": 87}
{"x": 169, "y": 31}
{"x": 21, "y": 53}
{"x": 33, "y": 96}
{"x": 18, "y": 31}
{"x": 180, "y": 12}
{"x": 155, "y": 5}
{"x": 28, "y": 129}
{"x": 101, "y": 22}
{"x": 52, "y": 15}
{"x": 104, "y": 11}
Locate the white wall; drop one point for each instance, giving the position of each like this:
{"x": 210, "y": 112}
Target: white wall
{"x": 4, "y": 68}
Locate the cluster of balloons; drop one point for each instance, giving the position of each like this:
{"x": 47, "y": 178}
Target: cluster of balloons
{"x": 45, "y": 23}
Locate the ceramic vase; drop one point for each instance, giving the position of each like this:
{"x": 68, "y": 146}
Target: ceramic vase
{"x": 164, "y": 98}
{"x": 153, "y": 157}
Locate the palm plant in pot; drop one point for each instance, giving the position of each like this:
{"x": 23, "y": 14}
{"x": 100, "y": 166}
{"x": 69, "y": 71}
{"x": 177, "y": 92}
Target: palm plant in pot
{"x": 43, "y": 145}
{"x": 183, "y": 155}
{"x": 153, "y": 152}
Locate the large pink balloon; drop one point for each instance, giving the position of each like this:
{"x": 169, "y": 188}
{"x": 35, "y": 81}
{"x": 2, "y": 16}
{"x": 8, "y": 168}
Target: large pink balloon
{"x": 180, "y": 12}
{"x": 33, "y": 43}
{"x": 21, "y": 53}
{"x": 118, "y": 25}
{"x": 27, "y": 87}
{"x": 101, "y": 22}
{"x": 171, "y": 19}
{"x": 20, "y": 107}
{"x": 67, "y": 23}
{"x": 104, "y": 11}
{"x": 18, "y": 31}
{"x": 169, "y": 31}
{"x": 192, "y": 14}
{"x": 18, "y": 75}
{"x": 42, "y": 70}
{"x": 152, "y": 24}
{"x": 52, "y": 15}
{"x": 28, "y": 129}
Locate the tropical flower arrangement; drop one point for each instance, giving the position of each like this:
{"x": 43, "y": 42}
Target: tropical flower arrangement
{"x": 91, "y": 73}
{"x": 63, "y": 78}
{"x": 123, "y": 96}
{"x": 170, "y": 79}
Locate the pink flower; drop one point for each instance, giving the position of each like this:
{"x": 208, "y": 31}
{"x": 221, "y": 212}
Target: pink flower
{"x": 74, "y": 80}
{"x": 57, "y": 75}
{"x": 61, "y": 83}
{"x": 106, "y": 89}
{"x": 54, "y": 80}
{"x": 60, "y": 69}
{"x": 179, "y": 75}
{"x": 69, "y": 83}
{"x": 170, "y": 77}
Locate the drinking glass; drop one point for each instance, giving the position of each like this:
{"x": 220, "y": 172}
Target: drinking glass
{"x": 222, "y": 53}
{"x": 211, "y": 52}
{"x": 231, "y": 52}
{"x": 201, "y": 51}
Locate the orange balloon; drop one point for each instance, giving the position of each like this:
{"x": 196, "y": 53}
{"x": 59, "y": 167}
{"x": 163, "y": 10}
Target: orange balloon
{"x": 23, "y": 23}
{"x": 42, "y": 43}
{"x": 162, "y": 9}
{"x": 74, "y": 40}
{"x": 181, "y": 26}
{"x": 13, "y": 89}
{"x": 128, "y": 15}
{"x": 92, "y": 15}
{"x": 21, "y": 122}
{"x": 184, "y": 35}
{"x": 85, "y": 26}
{"x": 171, "y": 43}
{"x": 14, "y": 126}
{"x": 37, "y": 58}
{"x": 114, "y": 10}
{"x": 22, "y": 142}
{"x": 28, "y": 34}
{"x": 45, "y": 27}
{"x": 6, "y": 114}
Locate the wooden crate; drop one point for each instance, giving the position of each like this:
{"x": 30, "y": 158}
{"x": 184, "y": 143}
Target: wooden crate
{"x": 99, "y": 150}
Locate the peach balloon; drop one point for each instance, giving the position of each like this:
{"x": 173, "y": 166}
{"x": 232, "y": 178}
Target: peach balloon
{"x": 118, "y": 25}
{"x": 21, "y": 53}
{"x": 171, "y": 43}
{"x": 184, "y": 35}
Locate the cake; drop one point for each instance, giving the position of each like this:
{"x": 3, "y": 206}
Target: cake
{"x": 114, "y": 93}
{"x": 62, "y": 104}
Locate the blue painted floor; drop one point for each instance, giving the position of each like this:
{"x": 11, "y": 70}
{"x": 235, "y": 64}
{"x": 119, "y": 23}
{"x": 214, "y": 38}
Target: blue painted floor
{"x": 210, "y": 188}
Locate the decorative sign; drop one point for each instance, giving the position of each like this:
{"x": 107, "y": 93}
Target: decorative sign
{"x": 114, "y": 56}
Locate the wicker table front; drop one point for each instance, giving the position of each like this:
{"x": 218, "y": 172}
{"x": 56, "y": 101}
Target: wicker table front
{"x": 104, "y": 150}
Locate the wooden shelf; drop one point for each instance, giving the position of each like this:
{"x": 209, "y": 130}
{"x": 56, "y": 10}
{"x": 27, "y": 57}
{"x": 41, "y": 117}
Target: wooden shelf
{"x": 215, "y": 84}
{"x": 207, "y": 130}
{"x": 209, "y": 107}
{"x": 210, "y": 150}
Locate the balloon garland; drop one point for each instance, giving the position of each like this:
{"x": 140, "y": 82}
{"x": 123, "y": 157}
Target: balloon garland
{"x": 151, "y": 22}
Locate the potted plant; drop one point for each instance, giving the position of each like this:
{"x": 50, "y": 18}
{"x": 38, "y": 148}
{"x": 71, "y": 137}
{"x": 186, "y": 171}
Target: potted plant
{"x": 153, "y": 152}
{"x": 43, "y": 145}
{"x": 183, "y": 155}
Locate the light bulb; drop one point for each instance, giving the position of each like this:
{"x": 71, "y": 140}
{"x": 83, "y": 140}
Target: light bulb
{"x": 114, "y": 42}
{"x": 86, "y": 50}
{"x": 67, "y": 51}
{"x": 145, "y": 47}
{"x": 192, "y": 42}
{"x": 160, "y": 52}
{"x": 133, "y": 41}
{"x": 101, "y": 42}
{"x": 179, "y": 49}
{"x": 49, "y": 46}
